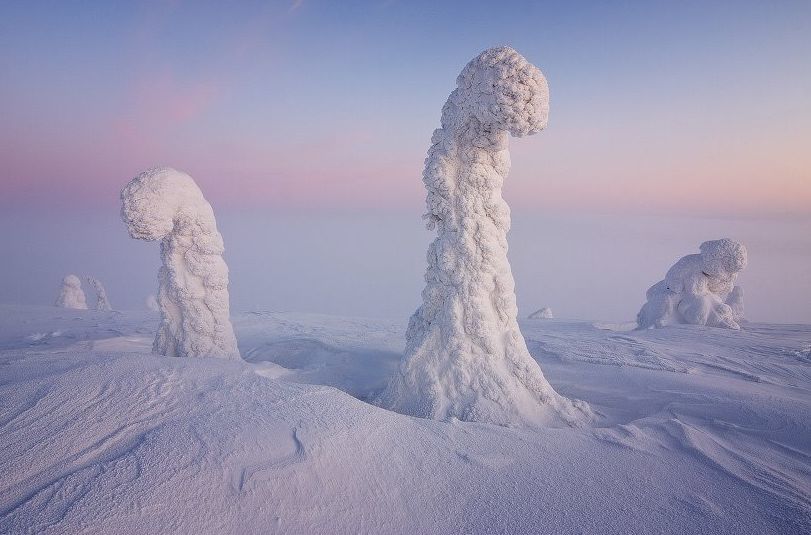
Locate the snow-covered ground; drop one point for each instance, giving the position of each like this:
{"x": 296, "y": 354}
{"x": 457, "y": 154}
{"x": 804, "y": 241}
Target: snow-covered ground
{"x": 702, "y": 430}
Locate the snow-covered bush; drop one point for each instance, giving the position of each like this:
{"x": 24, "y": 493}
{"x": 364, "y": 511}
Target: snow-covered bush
{"x": 543, "y": 314}
{"x": 102, "y": 302}
{"x": 465, "y": 356}
{"x": 699, "y": 289}
{"x": 71, "y": 294}
{"x": 165, "y": 204}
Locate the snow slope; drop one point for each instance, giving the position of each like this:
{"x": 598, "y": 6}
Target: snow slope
{"x": 702, "y": 430}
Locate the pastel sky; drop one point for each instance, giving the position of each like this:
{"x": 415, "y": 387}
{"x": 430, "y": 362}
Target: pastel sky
{"x": 657, "y": 107}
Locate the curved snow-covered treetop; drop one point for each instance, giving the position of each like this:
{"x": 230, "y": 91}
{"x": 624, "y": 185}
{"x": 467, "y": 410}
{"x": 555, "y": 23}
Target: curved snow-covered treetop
{"x": 699, "y": 289}
{"x": 71, "y": 294}
{"x": 165, "y": 204}
{"x": 102, "y": 301}
{"x": 465, "y": 356}
{"x": 544, "y": 313}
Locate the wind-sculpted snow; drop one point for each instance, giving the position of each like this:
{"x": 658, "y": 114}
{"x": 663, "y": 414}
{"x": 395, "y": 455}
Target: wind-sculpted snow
{"x": 164, "y": 204}
{"x": 98, "y": 435}
{"x": 71, "y": 294}
{"x": 102, "y": 301}
{"x": 465, "y": 357}
{"x": 699, "y": 289}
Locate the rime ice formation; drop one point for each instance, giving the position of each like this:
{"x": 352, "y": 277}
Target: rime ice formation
{"x": 543, "y": 314}
{"x": 698, "y": 289}
{"x": 71, "y": 294}
{"x": 102, "y": 302}
{"x": 465, "y": 357}
{"x": 165, "y": 204}
{"x": 152, "y": 303}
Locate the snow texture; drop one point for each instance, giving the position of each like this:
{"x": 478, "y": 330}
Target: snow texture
{"x": 543, "y": 314}
{"x": 71, "y": 294}
{"x": 165, "y": 204}
{"x": 152, "y": 303}
{"x": 699, "y": 289}
{"x": 102, "y": 302}
{"x": 465, "y": 357}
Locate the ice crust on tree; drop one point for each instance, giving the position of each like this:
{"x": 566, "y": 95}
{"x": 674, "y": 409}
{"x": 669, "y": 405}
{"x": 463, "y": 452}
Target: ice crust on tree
{"x": 102, "y": 302}
{"x": 544, "y": 313}
{"x": 465, "y": 357}
{"x": 165, "y": 204}
{"x": 71, "y": 294}
{"x": 699, "y": 289}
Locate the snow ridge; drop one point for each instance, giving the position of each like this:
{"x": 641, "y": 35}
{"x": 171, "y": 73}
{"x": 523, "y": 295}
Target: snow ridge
{"x": 165, "y": 204}
{"x": 465, "y": 356}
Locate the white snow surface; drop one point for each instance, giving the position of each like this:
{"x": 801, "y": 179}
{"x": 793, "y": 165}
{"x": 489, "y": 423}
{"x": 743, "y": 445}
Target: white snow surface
{"x": 544, "y": 313}
{"x": 465, "y": 357}
{"x": 102, "y": 301}
{"x": 696, "y": 289}
{"x": 71, "y": 294}
{"x": 165, "y": 204}
{"x": 699, "y": 430}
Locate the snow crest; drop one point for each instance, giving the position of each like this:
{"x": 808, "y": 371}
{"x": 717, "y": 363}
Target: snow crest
{"x": 465, "y": 357}
{"x": 102, "y": 302}
{"x": 699, "y": 289}
{"x": 165, "y": 204}
{"x": 71, "y": 294}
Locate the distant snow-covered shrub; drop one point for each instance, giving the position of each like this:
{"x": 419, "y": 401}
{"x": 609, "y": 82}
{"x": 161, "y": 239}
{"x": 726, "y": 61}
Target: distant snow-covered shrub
{"x": 465, "y": 356}
{"x": 71, "y": 294}
{"x": 699, "y": 289}
{"x": 165, "y": 204}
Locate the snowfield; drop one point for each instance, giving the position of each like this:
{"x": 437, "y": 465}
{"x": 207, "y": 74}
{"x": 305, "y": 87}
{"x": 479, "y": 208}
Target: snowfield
{"x": 700, "y": 430}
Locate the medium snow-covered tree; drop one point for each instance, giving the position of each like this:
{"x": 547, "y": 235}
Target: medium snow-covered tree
{"x": 544, "y": 313}
{"x": 102, "y": 302}
{"x": 71, "y": 294}
{"x": 696, "y": 289}
{"x": 165, "y": 204}
{"x": 465, "y": 356}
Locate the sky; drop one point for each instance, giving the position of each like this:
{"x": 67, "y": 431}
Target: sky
{"x": 315, "y": 116}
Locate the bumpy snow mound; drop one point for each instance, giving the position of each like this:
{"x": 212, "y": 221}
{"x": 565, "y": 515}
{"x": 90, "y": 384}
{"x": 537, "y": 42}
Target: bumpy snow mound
{"x": 152, "y": 303}
{"x": 71, "y": 294}
{"x": 465, "y": 356}
{"x": 698, "y": 289}
{"x": 543, "y": 314}
{"x": 102, "y": 302}
{"x": 165, "y": 204}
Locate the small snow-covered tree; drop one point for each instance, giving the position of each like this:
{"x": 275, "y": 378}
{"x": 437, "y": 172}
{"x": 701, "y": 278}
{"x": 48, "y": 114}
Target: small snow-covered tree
{"x": 465, "y": 356}
{"x": 152, "y": 303}
{"x": 102, "y": 302}
{"x": 544, "y": 313}
{"x": 696, "y": 289}
{"x": 165, "y": 204}
{"x": 71, "y": 294}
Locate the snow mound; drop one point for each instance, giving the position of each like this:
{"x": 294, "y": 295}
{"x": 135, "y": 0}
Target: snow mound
{"x": 465, "y": 357}
{"x": 544, "y": 313}
{"x": 165, "y": 204}
{"x": 696, "y": 289}
{"x": 71, "y": 294}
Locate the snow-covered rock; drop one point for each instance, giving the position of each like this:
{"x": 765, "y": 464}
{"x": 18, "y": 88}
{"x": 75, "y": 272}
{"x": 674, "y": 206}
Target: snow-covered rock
{"x": 165, "y": 204}
{"x": 544, "y": 313}
{"x": 102, "y": 301}
{"x": 696, "y": 289}
{"x": 465, "y": 357}
{"x": 71, "y": 294}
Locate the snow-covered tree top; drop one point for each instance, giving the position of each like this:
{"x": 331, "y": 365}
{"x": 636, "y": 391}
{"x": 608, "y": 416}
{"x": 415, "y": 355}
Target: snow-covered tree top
{"x": 723, "y": 256}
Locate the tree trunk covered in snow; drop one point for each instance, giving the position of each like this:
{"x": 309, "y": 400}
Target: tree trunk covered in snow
{"x": 164, "y": 204}
{"x": 465, "y": 356}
